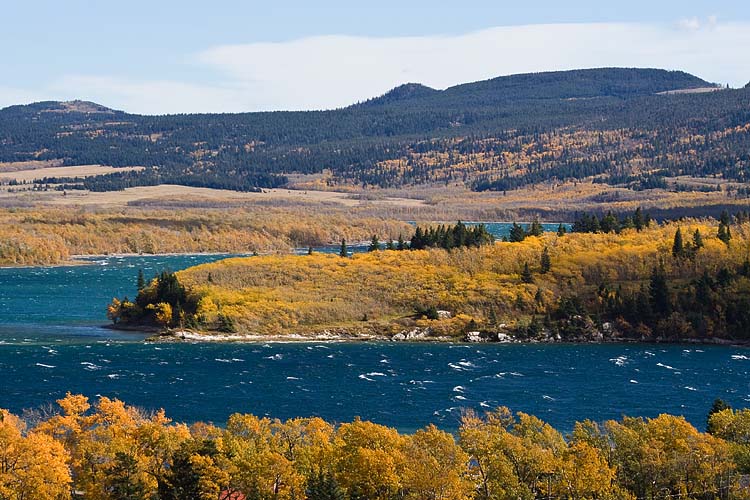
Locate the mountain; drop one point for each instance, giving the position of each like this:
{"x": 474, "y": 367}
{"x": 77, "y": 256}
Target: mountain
{"x": 405, "y": 92}
{"x": 576, "y": 84}
{"x": 615, "y": 125}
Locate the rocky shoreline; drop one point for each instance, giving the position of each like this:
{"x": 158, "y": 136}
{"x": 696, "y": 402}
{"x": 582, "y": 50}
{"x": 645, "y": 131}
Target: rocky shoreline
{"x": 414, "y": 335}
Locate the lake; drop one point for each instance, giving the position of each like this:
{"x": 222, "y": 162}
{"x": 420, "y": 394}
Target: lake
{"x": 51, "y": 341}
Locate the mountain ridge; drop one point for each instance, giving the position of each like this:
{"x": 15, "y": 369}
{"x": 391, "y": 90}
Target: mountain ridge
{"x": 502, "y": 133}
{"x": 587, "y": 82}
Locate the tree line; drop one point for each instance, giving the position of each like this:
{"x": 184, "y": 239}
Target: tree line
{"x": 107, "y": 450}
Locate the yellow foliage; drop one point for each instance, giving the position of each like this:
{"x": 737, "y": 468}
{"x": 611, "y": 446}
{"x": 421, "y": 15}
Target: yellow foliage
{"x": 303, "y": 294}
{"x": 42, "y": 236}
{"x": 31, "y": 466}
{"x": 499, "y": 455}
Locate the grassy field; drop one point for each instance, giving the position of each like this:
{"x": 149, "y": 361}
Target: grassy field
{"x": 32, "y": 174}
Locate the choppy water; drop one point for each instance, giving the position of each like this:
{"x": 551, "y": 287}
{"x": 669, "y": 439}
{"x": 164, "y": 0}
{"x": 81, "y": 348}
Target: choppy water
{"x": 51, "y": 342}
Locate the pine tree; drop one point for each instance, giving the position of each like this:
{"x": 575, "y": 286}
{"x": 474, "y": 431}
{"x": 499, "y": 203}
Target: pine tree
{"x": 610, "y": 223}
{"x": 697, "y": 239}
{"x": 678, "y": 247}
{"x": 141, "y": 280}
{"x": 309, "y": 250}
{"x": 561, "y": 230}
{"x": 418, "y": 240}
{"x": 401, "y": 243}
{"x": 122, "y": 480}
{"x": 638, "y": 221}
{"x": 745, "y": 268}
{"x": 517, "y": 233}
{"x": 526, "y": 276}
{"x": 374, "y": 244}
{"x": 343, "y": 252}
{"x": 546, "y": 262}
{"x": 659, "y": 298}
{"x": 716, "y": 407}
{"x": 323, "y": 486}
{"x": 725, "y": 218}
{"x": 724, "y": 234}
{"x": 535, "y": 229}
{"x": 390, "y": 245}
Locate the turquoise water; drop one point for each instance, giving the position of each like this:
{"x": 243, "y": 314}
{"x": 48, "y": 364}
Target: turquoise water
{"x": 51, "y": 341}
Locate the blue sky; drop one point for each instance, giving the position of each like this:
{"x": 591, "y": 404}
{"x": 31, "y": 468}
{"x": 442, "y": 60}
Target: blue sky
{"x": 168, "y": 56}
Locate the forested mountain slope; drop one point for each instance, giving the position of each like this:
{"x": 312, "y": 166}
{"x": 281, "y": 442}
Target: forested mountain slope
{"x": 618, "y": 125}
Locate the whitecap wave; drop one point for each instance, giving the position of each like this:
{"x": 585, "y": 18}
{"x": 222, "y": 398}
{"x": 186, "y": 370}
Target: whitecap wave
{"x": 619, "y": 360}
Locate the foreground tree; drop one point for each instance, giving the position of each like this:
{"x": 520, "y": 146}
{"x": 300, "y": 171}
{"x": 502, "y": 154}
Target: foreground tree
{"x": 33, "y": 466}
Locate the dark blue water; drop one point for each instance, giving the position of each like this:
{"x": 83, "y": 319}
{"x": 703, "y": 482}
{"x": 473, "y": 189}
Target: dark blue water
{"x": 51, "y": 341}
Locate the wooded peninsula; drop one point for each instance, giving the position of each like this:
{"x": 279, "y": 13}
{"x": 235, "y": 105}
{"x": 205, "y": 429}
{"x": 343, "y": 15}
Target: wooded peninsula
{"x": 626, "y": 278}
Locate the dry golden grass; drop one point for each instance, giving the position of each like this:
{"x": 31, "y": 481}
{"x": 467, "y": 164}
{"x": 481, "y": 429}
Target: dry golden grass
{"x": 52, "y": 235}
{"x": 72, "y": 171}
{"x": 174, "y": 192}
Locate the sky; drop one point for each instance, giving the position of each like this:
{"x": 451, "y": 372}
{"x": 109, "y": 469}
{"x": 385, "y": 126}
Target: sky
{"x": 165, "y": 56}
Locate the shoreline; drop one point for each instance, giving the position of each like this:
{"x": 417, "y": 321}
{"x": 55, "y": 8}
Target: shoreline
{"x": 188, "y": 336}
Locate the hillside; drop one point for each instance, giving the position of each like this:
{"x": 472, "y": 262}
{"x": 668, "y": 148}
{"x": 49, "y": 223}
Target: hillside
{"x": 615, "y": 125}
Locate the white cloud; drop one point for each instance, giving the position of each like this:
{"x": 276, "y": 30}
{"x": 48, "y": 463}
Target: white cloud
{"x": 333, "y": 71}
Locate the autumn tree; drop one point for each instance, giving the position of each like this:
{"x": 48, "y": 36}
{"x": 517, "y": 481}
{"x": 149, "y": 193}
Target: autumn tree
{"x": 32, "y": 466}
{"x": 435, "y": 467}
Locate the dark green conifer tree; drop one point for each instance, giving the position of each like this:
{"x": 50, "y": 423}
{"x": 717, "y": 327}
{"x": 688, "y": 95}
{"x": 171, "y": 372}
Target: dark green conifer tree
{"x": 517, "y": 233}
{"x": 724, "y": 234}
{"x": 343, "y": 252}
{"x": 323, "y": 486}
{"x": 638, "y": 220}
{"x": 697, "y": 239}
{"x": 374, "y": 244}
{"x": 122, "y": 481}
{"x": 535, "y": 229}
{"x": 401, "y": 243}
{"x": 526, "y": 276}
{"x": 678, "y": 247}
{"x": 141, "y": 280}
{"x": 659, "y": 297}
{"x": 717, "y": 406}
{"x": 546, "y": 262}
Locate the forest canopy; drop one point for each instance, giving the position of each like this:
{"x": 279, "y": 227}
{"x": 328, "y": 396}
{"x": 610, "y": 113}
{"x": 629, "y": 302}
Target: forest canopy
{"x": 107, "y": 450}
